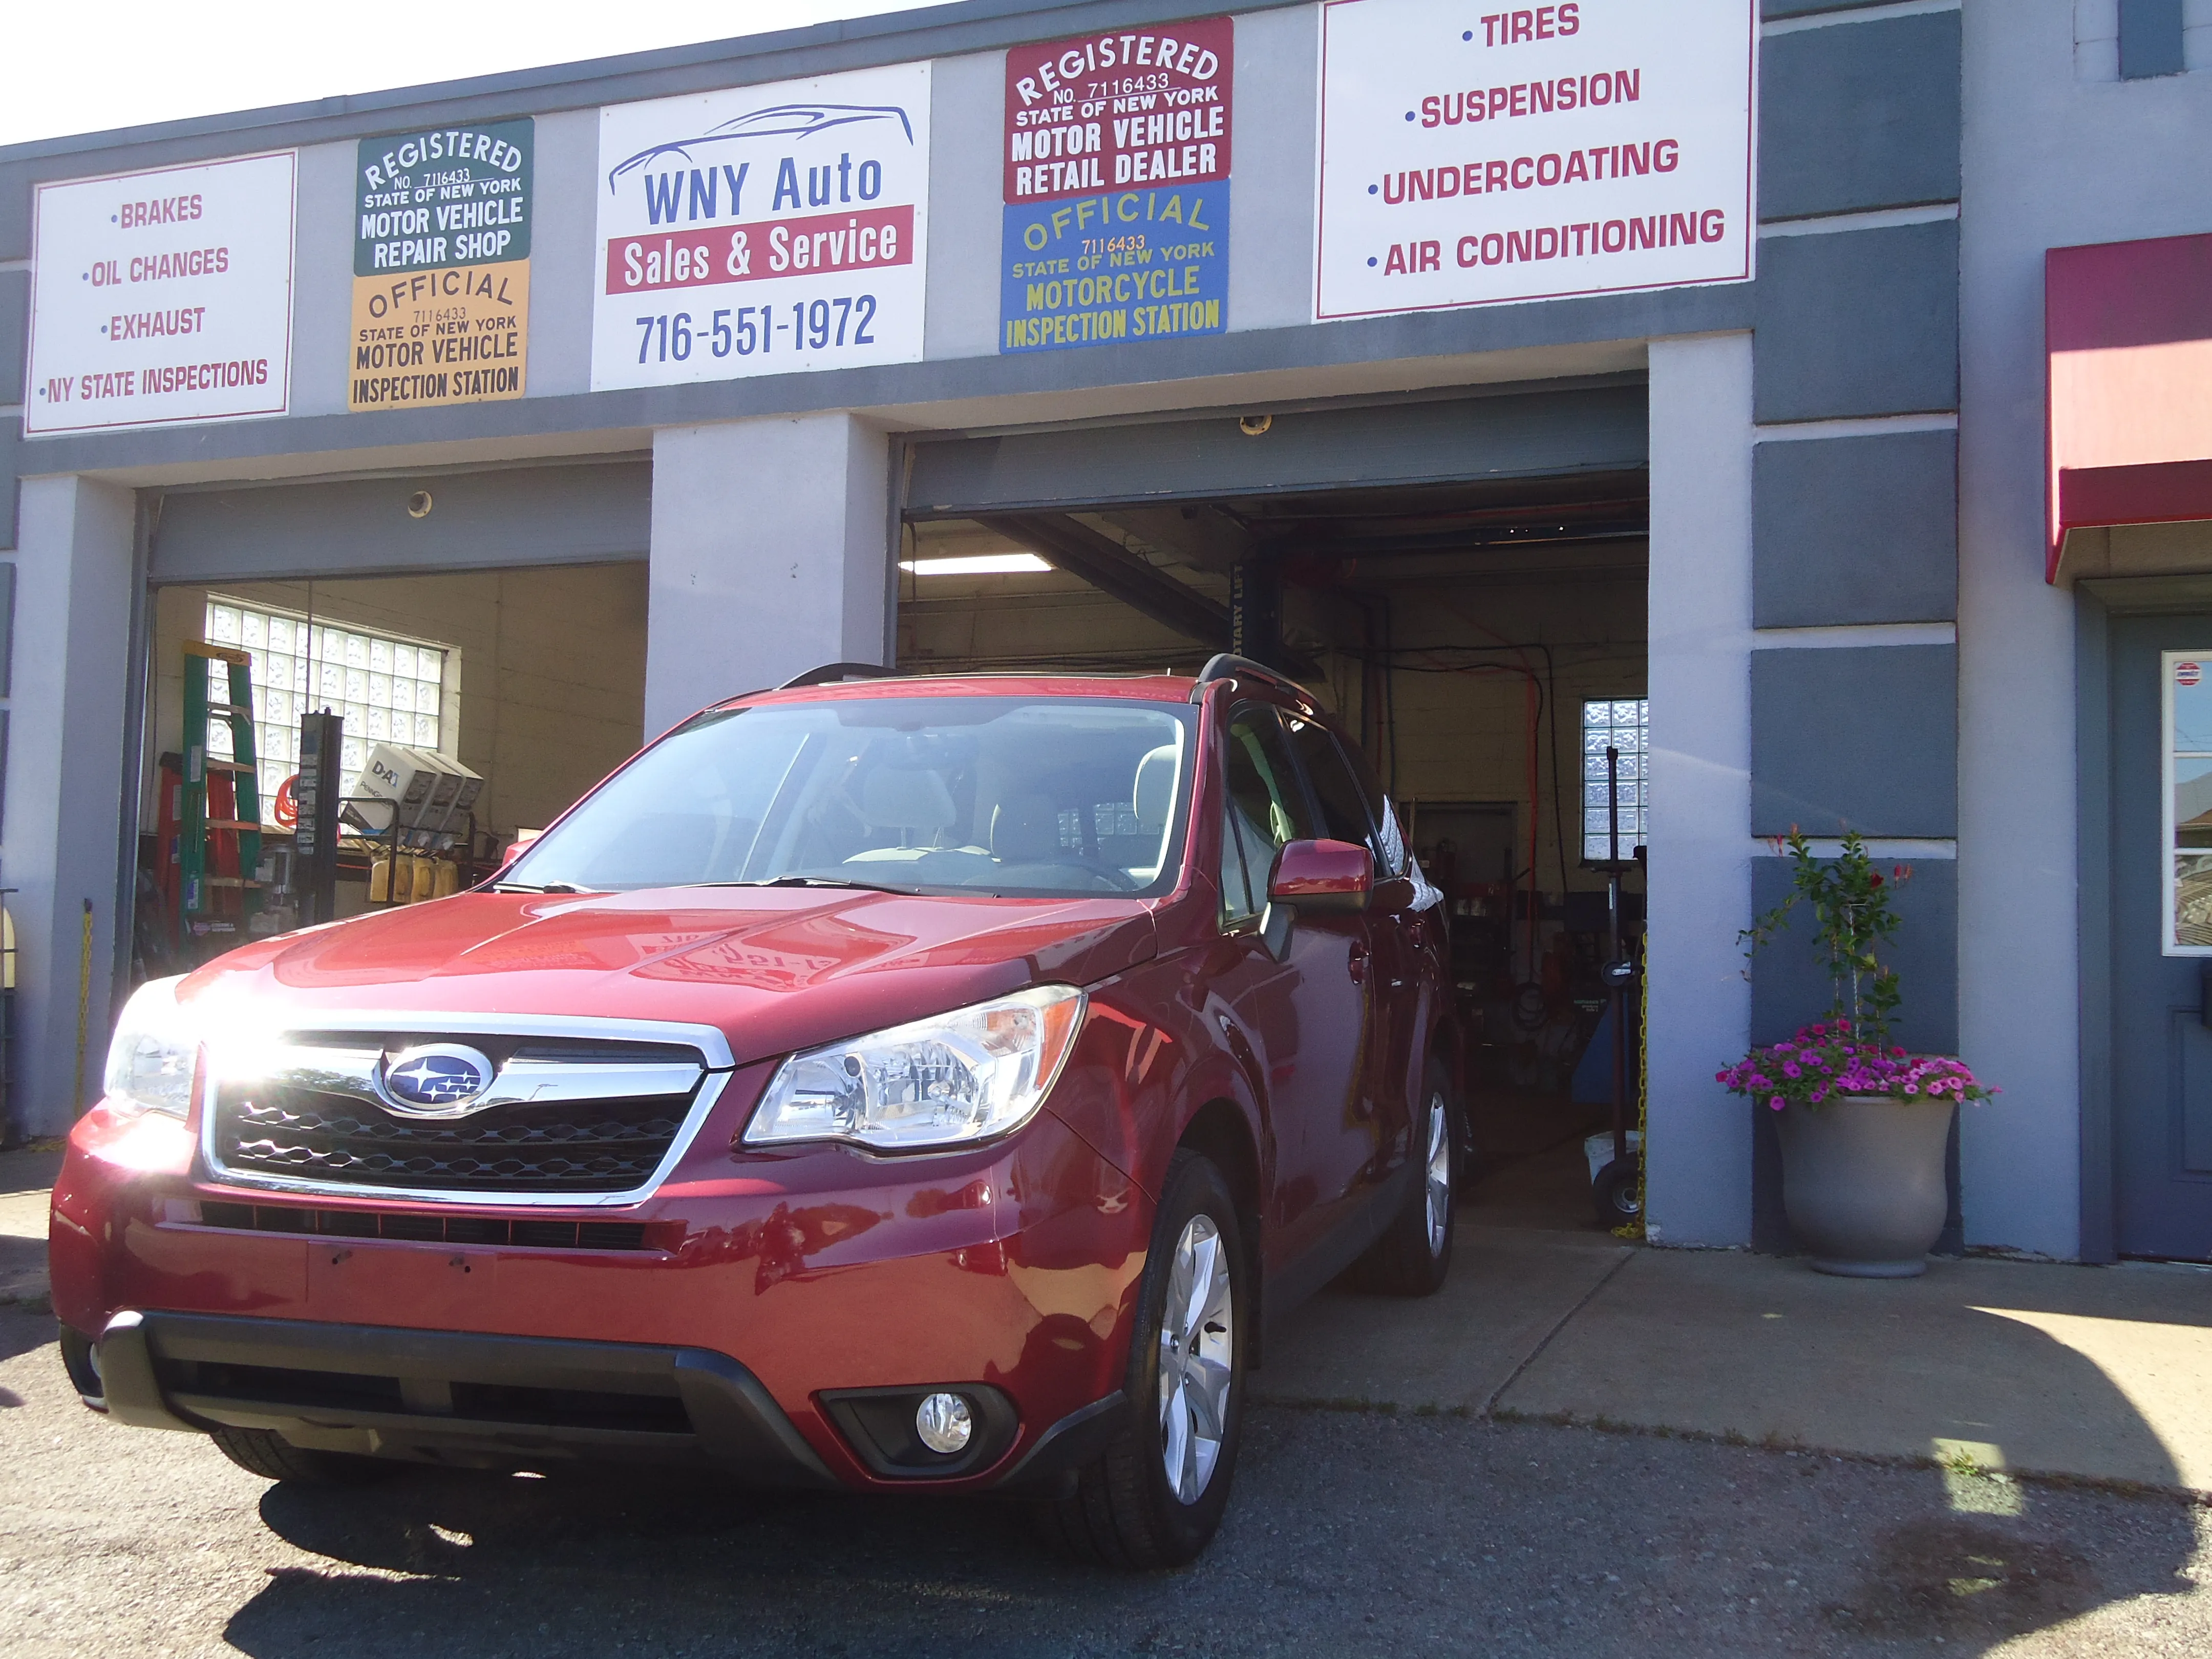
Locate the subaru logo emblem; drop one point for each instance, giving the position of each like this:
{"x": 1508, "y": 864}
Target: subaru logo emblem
{"x": 436, "y": 1079}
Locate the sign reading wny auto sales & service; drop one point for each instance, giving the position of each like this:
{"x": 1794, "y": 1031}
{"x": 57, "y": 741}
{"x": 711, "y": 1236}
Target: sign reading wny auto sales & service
{"x": 1470, "y": 157}
{"x": 161, "y": 296}
{"x": 441, "y": 266}
{"x": 1116, "y": 156}
{"x": 762, "y": 230}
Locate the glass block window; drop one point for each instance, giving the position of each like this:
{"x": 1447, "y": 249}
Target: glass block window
{"x": 389, "y": 690}
{"x": 1621, "y": 723}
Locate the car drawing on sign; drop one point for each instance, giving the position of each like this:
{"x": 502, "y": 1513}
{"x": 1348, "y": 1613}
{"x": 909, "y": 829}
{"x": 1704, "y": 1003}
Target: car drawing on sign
{"x": 883, "y": 1084}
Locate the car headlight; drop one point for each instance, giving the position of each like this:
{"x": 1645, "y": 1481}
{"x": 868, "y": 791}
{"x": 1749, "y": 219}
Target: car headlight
{"x": 150, "y": 1062}
{"x": 951, "y": 1080}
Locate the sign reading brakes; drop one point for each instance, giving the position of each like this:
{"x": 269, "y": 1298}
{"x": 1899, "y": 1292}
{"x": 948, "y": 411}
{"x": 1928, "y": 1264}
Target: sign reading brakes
{"x": 441, "y": 266}
{"x": 1116, "y": 187}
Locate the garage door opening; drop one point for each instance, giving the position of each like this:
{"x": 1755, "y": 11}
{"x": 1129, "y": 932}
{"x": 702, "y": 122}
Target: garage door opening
{"x": 1487, "y": 641}
{"x": 459, "y": 712}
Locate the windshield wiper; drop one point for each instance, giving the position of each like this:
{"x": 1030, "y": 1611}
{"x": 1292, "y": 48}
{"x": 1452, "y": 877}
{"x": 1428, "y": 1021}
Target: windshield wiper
{"x": 811, "y": 881}
{"x": 526, "y": 887}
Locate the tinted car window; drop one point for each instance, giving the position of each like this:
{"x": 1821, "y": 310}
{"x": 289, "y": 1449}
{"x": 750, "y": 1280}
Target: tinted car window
{"x": 1344, "y": 808}
{"x": 1341, "y": 777}
{"x": 1266, "y": 809}
{"x": 1043, "y": 796}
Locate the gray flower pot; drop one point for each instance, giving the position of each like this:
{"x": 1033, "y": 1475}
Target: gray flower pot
{"x": 1863, "y": 1183}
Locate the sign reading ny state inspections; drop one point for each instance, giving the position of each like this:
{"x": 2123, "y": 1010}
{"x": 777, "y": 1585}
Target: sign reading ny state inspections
{"x": 1116, "y": 156}
{"x": 762, "y": 230}
{"x": 161, "y": 296}
{"x": 1471, "y": 157}
{"x": 441, "y": 266}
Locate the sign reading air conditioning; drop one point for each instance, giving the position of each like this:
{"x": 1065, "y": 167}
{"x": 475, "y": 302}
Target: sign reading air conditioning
{"x": 1116, "y": 156}
{"x": 441, "y": 266}
{"x": 161, "y": 296}
{"x": 762, "y": 230}
{"x": 1471, "y": 158}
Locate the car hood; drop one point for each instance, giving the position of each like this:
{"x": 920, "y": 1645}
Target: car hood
{"x": 775, "y": 969}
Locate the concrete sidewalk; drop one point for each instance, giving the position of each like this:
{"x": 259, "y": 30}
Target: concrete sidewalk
{"x": 2096, "y": 1373}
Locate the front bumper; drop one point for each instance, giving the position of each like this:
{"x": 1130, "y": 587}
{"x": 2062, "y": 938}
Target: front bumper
{"x": 758, "y": 1292}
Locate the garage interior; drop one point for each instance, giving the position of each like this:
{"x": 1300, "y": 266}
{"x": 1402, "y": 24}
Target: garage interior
{"x": 1484, "y": 634}
{"x": 531, "y": 680}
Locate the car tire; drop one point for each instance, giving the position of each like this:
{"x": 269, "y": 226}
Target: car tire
{"x": 269, "y": 1455}
{"x": 1413, "y": 1255}
{"x": 1186, "y": 1374}
{"x": 1617, "y": 1195}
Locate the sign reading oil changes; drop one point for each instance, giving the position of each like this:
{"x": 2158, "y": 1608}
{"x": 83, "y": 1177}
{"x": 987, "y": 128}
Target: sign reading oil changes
{"x": 441, "y": 266}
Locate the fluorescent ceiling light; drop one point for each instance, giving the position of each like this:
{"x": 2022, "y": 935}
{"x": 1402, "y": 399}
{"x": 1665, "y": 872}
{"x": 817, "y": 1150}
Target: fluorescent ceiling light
{"x": 976, "y": 564}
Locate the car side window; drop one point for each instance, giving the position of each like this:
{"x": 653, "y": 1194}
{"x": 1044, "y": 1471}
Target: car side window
{"x": 1265, "y": 809}
{"x": 1315, "y": 747}
{"x": 1346, "y": 811}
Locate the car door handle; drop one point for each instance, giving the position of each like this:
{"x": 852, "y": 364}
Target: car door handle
{"x": 1356, "y": 964}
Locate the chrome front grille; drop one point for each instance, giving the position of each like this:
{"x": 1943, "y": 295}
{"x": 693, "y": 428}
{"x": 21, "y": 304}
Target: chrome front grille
{"x": 565, "y": 1118}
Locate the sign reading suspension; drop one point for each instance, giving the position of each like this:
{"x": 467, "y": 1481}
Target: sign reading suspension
{"x": 762, "y": 230}
{"x": 1116, "y": 157}
{"x": 441, "y": 266}
{"x": 161, "y": 296}
{"x": 1587, "y": 147}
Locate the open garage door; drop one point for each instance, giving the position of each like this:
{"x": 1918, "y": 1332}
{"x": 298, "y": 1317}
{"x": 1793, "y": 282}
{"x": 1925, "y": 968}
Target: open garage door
{"x": 1463, "y": 580}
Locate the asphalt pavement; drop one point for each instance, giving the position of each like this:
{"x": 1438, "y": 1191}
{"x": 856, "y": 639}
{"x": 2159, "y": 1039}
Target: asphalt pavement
{"x": 1352, "y": 1532}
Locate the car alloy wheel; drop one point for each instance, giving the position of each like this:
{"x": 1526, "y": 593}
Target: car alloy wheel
{"x": 1438, "y": 1213}
{"x": 1198, "y": 1339}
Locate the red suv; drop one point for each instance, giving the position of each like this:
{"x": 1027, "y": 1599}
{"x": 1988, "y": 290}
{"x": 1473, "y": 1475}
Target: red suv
{"x": 906, "y": 1083}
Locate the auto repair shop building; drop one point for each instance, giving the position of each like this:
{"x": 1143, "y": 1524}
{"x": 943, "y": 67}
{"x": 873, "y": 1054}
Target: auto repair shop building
{"x": 1671, "y": 379}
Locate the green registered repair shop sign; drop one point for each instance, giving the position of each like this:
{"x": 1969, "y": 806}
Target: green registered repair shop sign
{"x": 441, "y": 266}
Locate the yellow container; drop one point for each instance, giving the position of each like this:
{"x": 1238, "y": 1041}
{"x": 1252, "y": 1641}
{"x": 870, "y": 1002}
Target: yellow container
{"x": 379, "y": 879}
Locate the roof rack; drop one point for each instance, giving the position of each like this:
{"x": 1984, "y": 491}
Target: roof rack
{"x": 1227, "y": 665}
{"x": 831, "y": 672}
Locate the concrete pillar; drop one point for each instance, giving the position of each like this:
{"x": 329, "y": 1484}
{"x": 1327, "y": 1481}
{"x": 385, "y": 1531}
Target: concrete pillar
{"x": 1697, "y": 1172}
{"x": 771, "y": 553}
{"x": 61, "y": 824}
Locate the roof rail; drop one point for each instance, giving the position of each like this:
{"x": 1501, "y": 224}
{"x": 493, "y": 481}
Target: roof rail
{"x": 1227, "y": 665}
{"x": 831, "y": 672}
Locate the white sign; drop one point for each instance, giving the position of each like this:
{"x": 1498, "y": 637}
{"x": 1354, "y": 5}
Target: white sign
{"x": 161, "y": 296}
{"x": 1469, "y": 158}
{"x": 764, "y": 230}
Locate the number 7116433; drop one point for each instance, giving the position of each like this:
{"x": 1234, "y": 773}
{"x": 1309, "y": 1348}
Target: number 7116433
{"x": 805, "y": 325}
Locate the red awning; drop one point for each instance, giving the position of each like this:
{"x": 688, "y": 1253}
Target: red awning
{"x": 2128, "y": 327}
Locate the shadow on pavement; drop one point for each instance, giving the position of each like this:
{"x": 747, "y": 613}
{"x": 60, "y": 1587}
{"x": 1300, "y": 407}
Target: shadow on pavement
{"x": 1350, "y": 1533}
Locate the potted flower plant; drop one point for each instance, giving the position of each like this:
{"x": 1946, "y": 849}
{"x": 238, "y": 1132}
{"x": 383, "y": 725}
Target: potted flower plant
{"x": 1863, "y": 1123}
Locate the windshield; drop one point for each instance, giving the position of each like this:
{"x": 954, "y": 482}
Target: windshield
{"x": 1021, "y": 796}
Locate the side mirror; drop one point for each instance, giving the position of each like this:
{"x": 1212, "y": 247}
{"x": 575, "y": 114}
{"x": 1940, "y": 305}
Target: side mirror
{"x": 1322, "y": 877}
{"x": 1327, "y": 877}
{"x": 519, "y": 846}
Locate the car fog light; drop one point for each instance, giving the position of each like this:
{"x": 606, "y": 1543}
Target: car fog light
{"x": 944, "y": 1423}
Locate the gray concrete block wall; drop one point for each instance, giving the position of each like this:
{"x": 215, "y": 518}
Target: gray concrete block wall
{"x": 1856, "y": 530}
{"x": 1790, "y": 986}
{"x": 1857, "y": 322}
{"x": 1862, "y": 737}
{"x": 1861, "y": 116}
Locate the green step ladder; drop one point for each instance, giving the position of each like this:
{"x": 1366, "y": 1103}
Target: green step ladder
{"x": 196, "y": 849}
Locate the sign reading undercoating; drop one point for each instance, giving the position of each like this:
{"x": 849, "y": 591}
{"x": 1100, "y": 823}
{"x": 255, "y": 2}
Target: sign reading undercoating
{"x": 441, "y": 266}
{"x": 161, "y": 296}
{"x": 762, "y": 230}
{"x": 1116, "y": 187}
{"x": 1592, "y": 146}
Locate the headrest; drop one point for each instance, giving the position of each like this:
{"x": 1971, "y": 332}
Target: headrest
{"x": 907, "y": 797}
{"x": 1025, "y": 829}
{"x": 1154, "y": 793}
